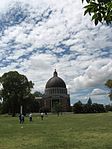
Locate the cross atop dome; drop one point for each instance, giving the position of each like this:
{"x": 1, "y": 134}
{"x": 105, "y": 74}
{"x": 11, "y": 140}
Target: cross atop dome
{"x": 55, "y": 73}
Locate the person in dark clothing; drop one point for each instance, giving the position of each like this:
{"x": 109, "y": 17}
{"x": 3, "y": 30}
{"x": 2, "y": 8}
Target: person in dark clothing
{"x": 20, "y": 118}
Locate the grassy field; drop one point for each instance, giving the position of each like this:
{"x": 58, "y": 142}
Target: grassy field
{"x": 69, "y": 131}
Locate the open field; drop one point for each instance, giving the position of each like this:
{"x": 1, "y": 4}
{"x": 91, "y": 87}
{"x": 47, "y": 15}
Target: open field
{"x": 69, "y": 131}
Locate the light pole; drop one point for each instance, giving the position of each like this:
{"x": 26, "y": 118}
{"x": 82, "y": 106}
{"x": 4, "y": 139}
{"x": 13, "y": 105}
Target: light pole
{"x": 21, "y": 109}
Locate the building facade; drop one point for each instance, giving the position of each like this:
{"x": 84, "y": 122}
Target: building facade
{"x": 56, "y": 93}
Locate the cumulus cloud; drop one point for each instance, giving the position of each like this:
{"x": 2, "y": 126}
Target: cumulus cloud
{"x": 96, "y": 73}
{"x": 98, "y": 91}
{"x": 38, "y": 36}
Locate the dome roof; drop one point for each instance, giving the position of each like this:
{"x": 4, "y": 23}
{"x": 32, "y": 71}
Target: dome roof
{"x": 55, "y": 81}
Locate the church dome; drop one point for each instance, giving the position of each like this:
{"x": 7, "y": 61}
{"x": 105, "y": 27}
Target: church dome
{"x": 55, "y": 81}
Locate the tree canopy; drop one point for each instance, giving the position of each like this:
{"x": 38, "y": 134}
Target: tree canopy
{"x": 38, "y": 94}
{"x": 88, "y": 108}
{"x": 89, "y": 102}
{"x": 99, "y": 10}
{"x": 109, "y": 85}
{"x": 16, "y": 89}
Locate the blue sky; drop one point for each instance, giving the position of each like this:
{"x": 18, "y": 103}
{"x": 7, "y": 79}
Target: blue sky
{"x": 39, "y": 36}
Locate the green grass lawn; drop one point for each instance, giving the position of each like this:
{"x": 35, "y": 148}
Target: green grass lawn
{"x": 69, "y": 131}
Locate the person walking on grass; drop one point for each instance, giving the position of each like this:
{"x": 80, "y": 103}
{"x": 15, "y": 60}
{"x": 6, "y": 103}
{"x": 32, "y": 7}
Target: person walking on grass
{"x": 30, "y": 117}
{"x": 42, "y": 115}
{"x": 20, "y": 118}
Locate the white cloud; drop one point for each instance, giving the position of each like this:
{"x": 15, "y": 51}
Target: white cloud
{"x": 96, "y": 73}
{"x": 65, "y": 40}
{"x": 4, "y": 4}
{"x": 98, "y": 91}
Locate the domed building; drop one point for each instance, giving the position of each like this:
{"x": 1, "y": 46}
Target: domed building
{"x": 56, "y": 93}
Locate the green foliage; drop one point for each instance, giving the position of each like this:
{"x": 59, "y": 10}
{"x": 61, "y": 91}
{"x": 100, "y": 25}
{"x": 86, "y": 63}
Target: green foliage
{"x": 57, "y": 108}
{"x": 38, "y": 94}
{"x": 77, "y": 107}
{"x": 89, "y": 101}
{"x": 109, "y": 85}
{"x": 108, "y": 108}
{"x": 88, "y": 108}
{"x": 100, "y": 10}
{"x": 15, "y": 92}
{"x": 37, "y": 104}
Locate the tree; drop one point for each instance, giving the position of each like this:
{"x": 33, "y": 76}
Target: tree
{"x": 88, "y": 108}
{"x": 57, "y": 108}
{"x": 89, "y": 102}
{"x": 38, "y": 94}
{"x": 78, "y": 107}
{"x": 109, "y": 85}
{"x": 101, "y": 10}
{"x": 16, "y": 90}
{"x": 38, "y": 102}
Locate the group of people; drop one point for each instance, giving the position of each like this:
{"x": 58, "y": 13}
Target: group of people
{"x": 21, "y": 117}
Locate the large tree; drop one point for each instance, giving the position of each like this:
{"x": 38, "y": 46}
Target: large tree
{"x": 109, "y": 85}
{"x": 16, "y": 90}
{"x": 100, "y": 10}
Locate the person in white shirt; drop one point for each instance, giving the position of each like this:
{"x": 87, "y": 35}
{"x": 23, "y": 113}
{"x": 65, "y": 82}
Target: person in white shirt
{"x": 42, "y": 115}
{"x": 30, "y": 117}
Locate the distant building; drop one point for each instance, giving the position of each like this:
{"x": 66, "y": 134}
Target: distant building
{"x": 56, "y": 93}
